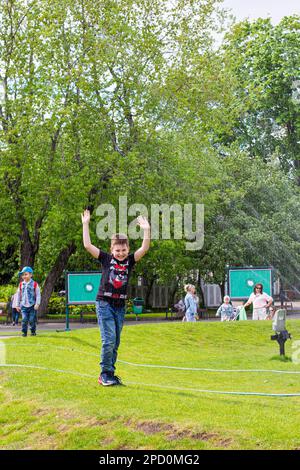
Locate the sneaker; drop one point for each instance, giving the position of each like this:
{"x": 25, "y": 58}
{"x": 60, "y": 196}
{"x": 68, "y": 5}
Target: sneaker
{"x": 33, "y": 334}
{"x": 24, "y": 335}
{"x": 106, "y": 379}
{"x": 117, "y": 380}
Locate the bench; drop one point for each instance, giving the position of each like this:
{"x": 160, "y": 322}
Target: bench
{"x": 90, "y": 320}
{"x": 203, "y": 313}
{"x": 288, "y": 305}
{"x": 288, "y": 301}
{"x": 174, "y": 314}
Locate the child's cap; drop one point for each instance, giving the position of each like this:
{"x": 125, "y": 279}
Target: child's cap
{"x": 26, "y": 269}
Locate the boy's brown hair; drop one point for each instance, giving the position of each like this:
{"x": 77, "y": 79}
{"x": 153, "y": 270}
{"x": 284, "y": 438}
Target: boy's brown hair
{"x": 119, "y": 239}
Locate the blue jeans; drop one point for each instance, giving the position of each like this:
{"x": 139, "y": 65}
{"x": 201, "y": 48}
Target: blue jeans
{"x": 190, "y": 316}
{"x": 15, "y": 315}
{"x": 110, "y": 321}
{"x": 28, "y": 316}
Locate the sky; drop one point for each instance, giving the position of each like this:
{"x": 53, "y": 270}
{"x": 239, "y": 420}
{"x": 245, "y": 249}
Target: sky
{"x": 253, "y": 9}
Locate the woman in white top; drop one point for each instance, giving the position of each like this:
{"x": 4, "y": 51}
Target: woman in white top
{"x": 261, "y": 302}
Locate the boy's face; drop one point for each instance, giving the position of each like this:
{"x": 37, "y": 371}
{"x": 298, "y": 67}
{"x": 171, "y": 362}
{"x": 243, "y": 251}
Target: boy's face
{"x": 26, "y": 276}
{"x": 120, "y": 252}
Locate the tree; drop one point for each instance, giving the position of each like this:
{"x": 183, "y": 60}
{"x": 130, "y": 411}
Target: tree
{"x": 85, "y": 99}
{"x": 256, "y": 222}
{"x": 265, "y": 60}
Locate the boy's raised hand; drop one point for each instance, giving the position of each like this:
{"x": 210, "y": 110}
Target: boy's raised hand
{"x": 86, "y": 217}
{"x": 143, "y": 222}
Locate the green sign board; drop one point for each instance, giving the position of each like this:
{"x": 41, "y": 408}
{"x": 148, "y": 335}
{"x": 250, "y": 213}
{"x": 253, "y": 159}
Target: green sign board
{"x": 82, "y": 287}
{"x": 241, "y": 281}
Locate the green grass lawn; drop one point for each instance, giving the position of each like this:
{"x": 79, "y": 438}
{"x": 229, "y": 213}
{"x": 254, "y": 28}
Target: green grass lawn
{"x": 91, "y": 317}
{"x": 159, "y": 408}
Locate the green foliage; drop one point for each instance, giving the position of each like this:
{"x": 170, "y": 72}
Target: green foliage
{"x": 256, "y": 222}
{"x": 77, "y": 309}
{"x": 93, "y": 97}
{"x": 102, "y": 99}
{"x": 6, "y": 292}
{"x": 265, "y": 61}
{"x": 129, "y": 306}
{"x": 57, "y": 304}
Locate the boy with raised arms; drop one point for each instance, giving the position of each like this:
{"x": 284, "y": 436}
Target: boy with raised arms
{"x": 110, "y": 302}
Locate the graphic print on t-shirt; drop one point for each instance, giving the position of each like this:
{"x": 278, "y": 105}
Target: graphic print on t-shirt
{"x": 118, "y": 274}
{"x": 115, "y": 276}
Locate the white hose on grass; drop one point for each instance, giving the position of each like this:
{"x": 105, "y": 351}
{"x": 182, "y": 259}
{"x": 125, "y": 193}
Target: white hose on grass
{"x": 201, "y": 369}
{"x": 167, "y": 387}
{"x": 161, "y": 366}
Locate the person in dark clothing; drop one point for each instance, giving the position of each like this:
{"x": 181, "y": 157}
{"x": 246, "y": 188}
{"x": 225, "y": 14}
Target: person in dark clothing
{"x": 282, "y": 297}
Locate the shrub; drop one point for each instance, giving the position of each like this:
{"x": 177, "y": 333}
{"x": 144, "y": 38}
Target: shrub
{"x": 129, "y": 306}
{"x": 6, "y": 292}
{"x": 77, "y": 309}
{"x": 56, "y": 304}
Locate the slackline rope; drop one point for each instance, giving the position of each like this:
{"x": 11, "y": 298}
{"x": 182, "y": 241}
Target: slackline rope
{"x": 167, "y": 387}
{"x": 161, "y": 366}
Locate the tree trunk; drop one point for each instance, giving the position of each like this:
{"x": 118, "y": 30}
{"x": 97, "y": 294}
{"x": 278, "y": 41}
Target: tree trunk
{"x": 222, "y": 287}
{"x": 294, "y": 146}
{"x": 27, "y": 248}
{"x": 56, "y": 271}
{"x": 149, "y": 287}
{"x": 173, "y": 290}
{"x": 201, "y": 293}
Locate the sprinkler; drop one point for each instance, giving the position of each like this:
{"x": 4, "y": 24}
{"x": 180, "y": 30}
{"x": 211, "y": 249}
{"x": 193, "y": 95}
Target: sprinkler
{"x": 281, "y": 332}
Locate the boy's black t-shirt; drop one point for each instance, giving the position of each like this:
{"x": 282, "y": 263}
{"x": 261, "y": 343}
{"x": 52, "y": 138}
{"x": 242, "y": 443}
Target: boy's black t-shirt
{"x": 115, "y": 277}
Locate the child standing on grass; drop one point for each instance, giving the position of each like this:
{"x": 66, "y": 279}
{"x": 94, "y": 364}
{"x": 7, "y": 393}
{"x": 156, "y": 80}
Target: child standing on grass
{"x": 112, "y": 293}
{"x": 225, "y": 310}
{"x": 28, "y": 300}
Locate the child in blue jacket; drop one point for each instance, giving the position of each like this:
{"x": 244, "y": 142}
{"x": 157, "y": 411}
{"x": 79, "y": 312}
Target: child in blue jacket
{"x": 225, "y": 310}
{"x": 28, "y": 300}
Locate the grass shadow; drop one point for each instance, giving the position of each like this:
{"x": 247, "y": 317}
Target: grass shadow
{"x": 75, "y": 340}
{"x": 281, "y": 358}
